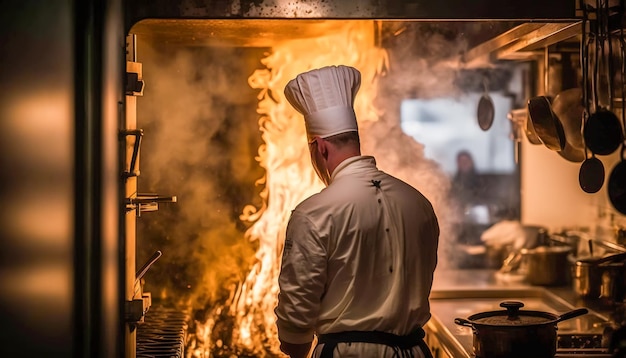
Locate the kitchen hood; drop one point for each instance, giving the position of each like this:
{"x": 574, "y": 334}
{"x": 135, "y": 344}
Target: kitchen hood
{"x": 450, "y": 10}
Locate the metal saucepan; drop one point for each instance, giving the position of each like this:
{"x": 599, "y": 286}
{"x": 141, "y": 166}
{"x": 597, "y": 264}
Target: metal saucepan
{"x": 568, "y": 108}
{"x": 613, "y": 286}
{"x": 547, "y": 126}
{"x": 547, "y": 265}
{"x": 587, "y": 274}
{"x": 515, "y": 333}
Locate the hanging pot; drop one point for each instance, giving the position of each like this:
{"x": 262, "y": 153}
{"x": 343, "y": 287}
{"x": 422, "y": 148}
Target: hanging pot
{"x": 547, "y": 126}
{"x": 567, "y": 107}
{"x": 515, "y": 333}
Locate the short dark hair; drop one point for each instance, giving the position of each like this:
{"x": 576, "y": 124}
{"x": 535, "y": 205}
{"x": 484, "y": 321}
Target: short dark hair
{"x": 343, "y": 139}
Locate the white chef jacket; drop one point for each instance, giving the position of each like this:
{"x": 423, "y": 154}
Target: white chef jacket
{"x": 358, "y": 256}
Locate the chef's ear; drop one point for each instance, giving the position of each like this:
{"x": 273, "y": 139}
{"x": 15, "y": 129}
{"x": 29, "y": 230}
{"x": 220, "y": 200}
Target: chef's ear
{"x": 322, "y": 147}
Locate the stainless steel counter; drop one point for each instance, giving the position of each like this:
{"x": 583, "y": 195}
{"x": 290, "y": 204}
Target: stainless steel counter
{"x": 461, "y": 293}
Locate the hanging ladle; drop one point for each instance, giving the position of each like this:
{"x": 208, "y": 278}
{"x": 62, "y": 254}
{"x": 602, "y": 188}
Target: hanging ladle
{"x": 603, "y": 131}
{"x": 591, "y": 172}
{"x": 486, "y": 110}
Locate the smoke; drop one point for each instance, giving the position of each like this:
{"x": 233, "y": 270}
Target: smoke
{"x": 424, "y": 62}
{"x": 215, "y": 121}
{"x": 202, "y": 136}
{"x": 200, "y": 141}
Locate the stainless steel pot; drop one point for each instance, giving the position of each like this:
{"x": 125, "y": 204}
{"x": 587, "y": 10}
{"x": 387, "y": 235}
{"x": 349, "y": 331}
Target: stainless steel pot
{"x": 496, "y": 254}
{"x": 587, "y": 276}
{"x": 515, "y": 333}
{"x": 613, "y": 282}
{"x": 547, "y": 265}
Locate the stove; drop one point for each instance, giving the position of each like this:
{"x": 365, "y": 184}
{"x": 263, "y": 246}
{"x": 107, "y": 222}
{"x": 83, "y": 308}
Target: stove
{"x": 579, "y": 336}
{"x": 163, "y": 333}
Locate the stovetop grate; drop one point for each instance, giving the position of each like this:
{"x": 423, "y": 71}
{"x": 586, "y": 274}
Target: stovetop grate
{"x": 162, "y": 334}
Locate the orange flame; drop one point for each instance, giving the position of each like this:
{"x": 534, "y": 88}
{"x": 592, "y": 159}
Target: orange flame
{"x": 290, "y": 177}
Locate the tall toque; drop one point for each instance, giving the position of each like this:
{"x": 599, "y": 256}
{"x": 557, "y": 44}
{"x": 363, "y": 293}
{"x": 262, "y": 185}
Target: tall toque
{"x": 325, "y": 97}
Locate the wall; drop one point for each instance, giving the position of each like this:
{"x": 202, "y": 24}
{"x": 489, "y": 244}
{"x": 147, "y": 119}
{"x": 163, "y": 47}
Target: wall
{"x": 551, "y": 195}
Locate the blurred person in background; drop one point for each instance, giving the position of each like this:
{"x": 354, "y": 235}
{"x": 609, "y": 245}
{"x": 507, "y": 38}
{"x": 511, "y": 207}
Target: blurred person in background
{"x": 466, "y": 183}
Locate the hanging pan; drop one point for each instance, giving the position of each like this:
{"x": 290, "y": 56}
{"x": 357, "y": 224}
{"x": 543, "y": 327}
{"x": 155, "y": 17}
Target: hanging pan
{"x": 547, "y": 126}
{"x": 486, "y": 111}
{"x": 567, "y": 107}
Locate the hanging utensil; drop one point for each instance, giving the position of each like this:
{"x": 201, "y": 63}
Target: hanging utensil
{"x": 603, "y": 130}
{"x": 617, "y": 178}
{"x": 568, "y": 108}
{"x": 486, "y": 110}
{"x": 591, "y": 173}
{"x": 547, "y": 126}
{"x": 531, "y": 134}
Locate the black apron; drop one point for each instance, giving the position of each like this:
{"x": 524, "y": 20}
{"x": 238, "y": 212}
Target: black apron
{"x": 409, "y": 341}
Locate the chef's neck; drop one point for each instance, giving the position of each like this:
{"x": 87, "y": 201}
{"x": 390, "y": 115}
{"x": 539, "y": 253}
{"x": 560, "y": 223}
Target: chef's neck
{"x": 335, "y": 154}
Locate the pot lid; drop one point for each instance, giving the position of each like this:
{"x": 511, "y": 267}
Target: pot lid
{"x": 513, "y": 316}
{"x": 596, "y": 260}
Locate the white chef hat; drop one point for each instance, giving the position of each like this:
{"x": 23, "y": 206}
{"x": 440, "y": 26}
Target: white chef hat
{"x": 325, "y": 97}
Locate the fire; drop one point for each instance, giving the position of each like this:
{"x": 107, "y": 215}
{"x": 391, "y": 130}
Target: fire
{"x": 289, "y": 176}
{"x": 243, "y": 325}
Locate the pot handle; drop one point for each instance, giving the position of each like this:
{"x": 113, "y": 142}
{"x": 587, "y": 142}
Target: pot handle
{"x": 463, "y": 322}
{"x": 571, "y": 314}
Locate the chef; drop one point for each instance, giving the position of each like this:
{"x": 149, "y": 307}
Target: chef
{"x": 359, "y": 256}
